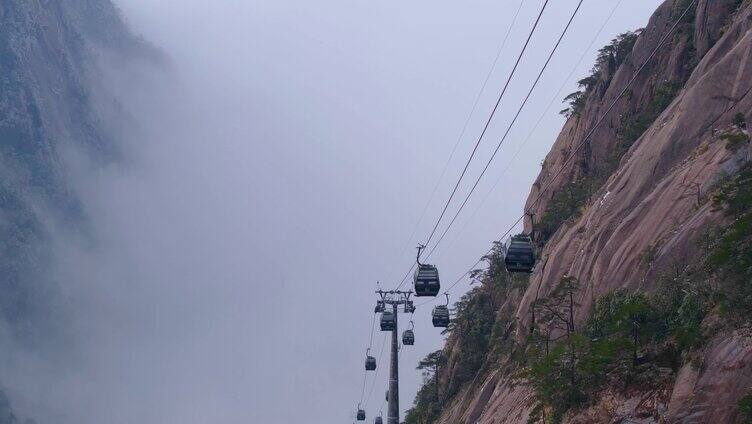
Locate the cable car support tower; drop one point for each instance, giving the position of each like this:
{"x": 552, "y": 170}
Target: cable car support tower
{"x": 395, "y": 299}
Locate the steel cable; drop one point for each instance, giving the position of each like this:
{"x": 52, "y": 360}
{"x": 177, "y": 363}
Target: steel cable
{"x": 590, "y": 133}
{"x": 511, "y": 125}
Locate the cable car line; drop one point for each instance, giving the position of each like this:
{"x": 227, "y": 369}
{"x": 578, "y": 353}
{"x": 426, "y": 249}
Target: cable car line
{"x": 409, "y": 271}
{"x": 363, "y": 390}
{"x": 373, "y": 384}
{"x": 373, "y": 324}
{"x": 511, "y": 125}
{"x": 483, "y": 132}
{"x": 488, "y": 121}
{"x": 585, "y": 139}
{"x": 464, "y": 127}
{"x": 369, "y": 365}
{"x": 542, "y": 117}
{"x": 589, "y": 134}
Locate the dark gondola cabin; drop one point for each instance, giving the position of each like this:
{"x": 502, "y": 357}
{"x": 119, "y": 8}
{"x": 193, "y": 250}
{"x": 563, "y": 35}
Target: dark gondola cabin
{"x": 426, "y": 280}
{"x": 361, "y": 415}
{"x": 440, "y": 316}
{"x": 378, "y": 420}
{"x": 388, "y": 321}
{"x": 519, "y": 255}
{"x": 370, "y": 363}
{"x": 408, "y": 338}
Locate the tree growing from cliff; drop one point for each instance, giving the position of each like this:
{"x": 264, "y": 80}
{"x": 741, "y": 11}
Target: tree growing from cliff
{"x": 430, "y": 367}
{"x": 427, "y": 406}
{"x": 609, "y": 58}
{"x": 556, "y": 349}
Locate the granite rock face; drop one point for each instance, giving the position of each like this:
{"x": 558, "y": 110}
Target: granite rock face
{"x": 648, "y": 202}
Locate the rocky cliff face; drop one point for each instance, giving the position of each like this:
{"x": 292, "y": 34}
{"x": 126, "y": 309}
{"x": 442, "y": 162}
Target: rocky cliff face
{"x": 632, "y": 205}
{"x": 51, "y": 101}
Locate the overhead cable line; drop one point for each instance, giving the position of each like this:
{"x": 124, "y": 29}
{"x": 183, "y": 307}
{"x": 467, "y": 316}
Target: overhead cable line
{"x": 365, "y": 372}
{"x": 511, "y": 125}
{"x": 485, "y": 129}
{"x": 464, "y": 127}
{"x": 488, "y": 121}
{"x": 363, "y": 390}
{"x": 540, "y": 119}
{"x": 373, "y": 384}
{"x": 587, "y": 137}
{"x": 373, "y": 324}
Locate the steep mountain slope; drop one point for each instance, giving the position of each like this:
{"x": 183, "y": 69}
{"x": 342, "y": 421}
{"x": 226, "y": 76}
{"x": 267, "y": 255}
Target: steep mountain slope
{"x": 51, "y": 101}
{"x": 643, "y": 227}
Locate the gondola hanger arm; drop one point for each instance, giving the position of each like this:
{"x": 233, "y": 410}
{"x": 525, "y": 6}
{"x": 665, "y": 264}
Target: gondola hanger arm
{"x": 420, "y": 250}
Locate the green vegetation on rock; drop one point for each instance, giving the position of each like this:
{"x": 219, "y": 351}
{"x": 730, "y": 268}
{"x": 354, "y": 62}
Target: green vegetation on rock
{"x": 737, "y": 136}
{"x": 745, "y": 409}
{"x": 634, "y": 340}
{"x": 477, "y": 338}
{"x": 609, "y": 58}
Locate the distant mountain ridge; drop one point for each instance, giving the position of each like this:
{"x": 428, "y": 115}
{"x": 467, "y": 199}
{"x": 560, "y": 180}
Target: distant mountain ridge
{"x": 49, "y": 101}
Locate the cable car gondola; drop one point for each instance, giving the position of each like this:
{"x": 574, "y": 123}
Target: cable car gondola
{"x": 388, "y": 321}
{"x": 440, "y": 314}
{"x": 408, "y": 336}
{"x": 370, "y": 361}
{"x": 361, "y": 414}
{"x": 378, "y": 420}
{"x": 519, "y": 255}
{"x": 426, "y": 278}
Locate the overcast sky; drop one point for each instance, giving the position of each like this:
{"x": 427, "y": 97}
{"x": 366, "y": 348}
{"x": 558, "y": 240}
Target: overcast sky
{"x": 281, "y": 167}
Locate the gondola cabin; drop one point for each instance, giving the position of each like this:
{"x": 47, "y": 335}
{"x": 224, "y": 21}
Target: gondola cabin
{"x": 408, "y": 338}
{"x": 370, "y": 363}
{"x": 440, "y": 316}
{"x": 519, "y": 255}
{"x": 361, "y": 415}
{"x": 426, "y": 280}
{"x": 388, "y": 321}
{"x": 378, "y": 420}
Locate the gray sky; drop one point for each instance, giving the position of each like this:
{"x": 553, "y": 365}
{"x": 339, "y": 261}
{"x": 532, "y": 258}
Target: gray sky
{"x": 277, "y": 177}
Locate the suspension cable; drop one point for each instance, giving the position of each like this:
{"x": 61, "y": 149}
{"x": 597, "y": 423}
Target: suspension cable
{"x": 554, "y": 98}
{"x": 464, "y": 127}
{"x": 488, "y": 121}
{"x": 589, "y": 135}
{"x": 483, "y": 132}
{"x": 545, "y": 186}
{"x": 511, "y": 125}
{"x": 378, "y": 368}
{"x": 373, "y": 324}
{"x": 365, "y": 372}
